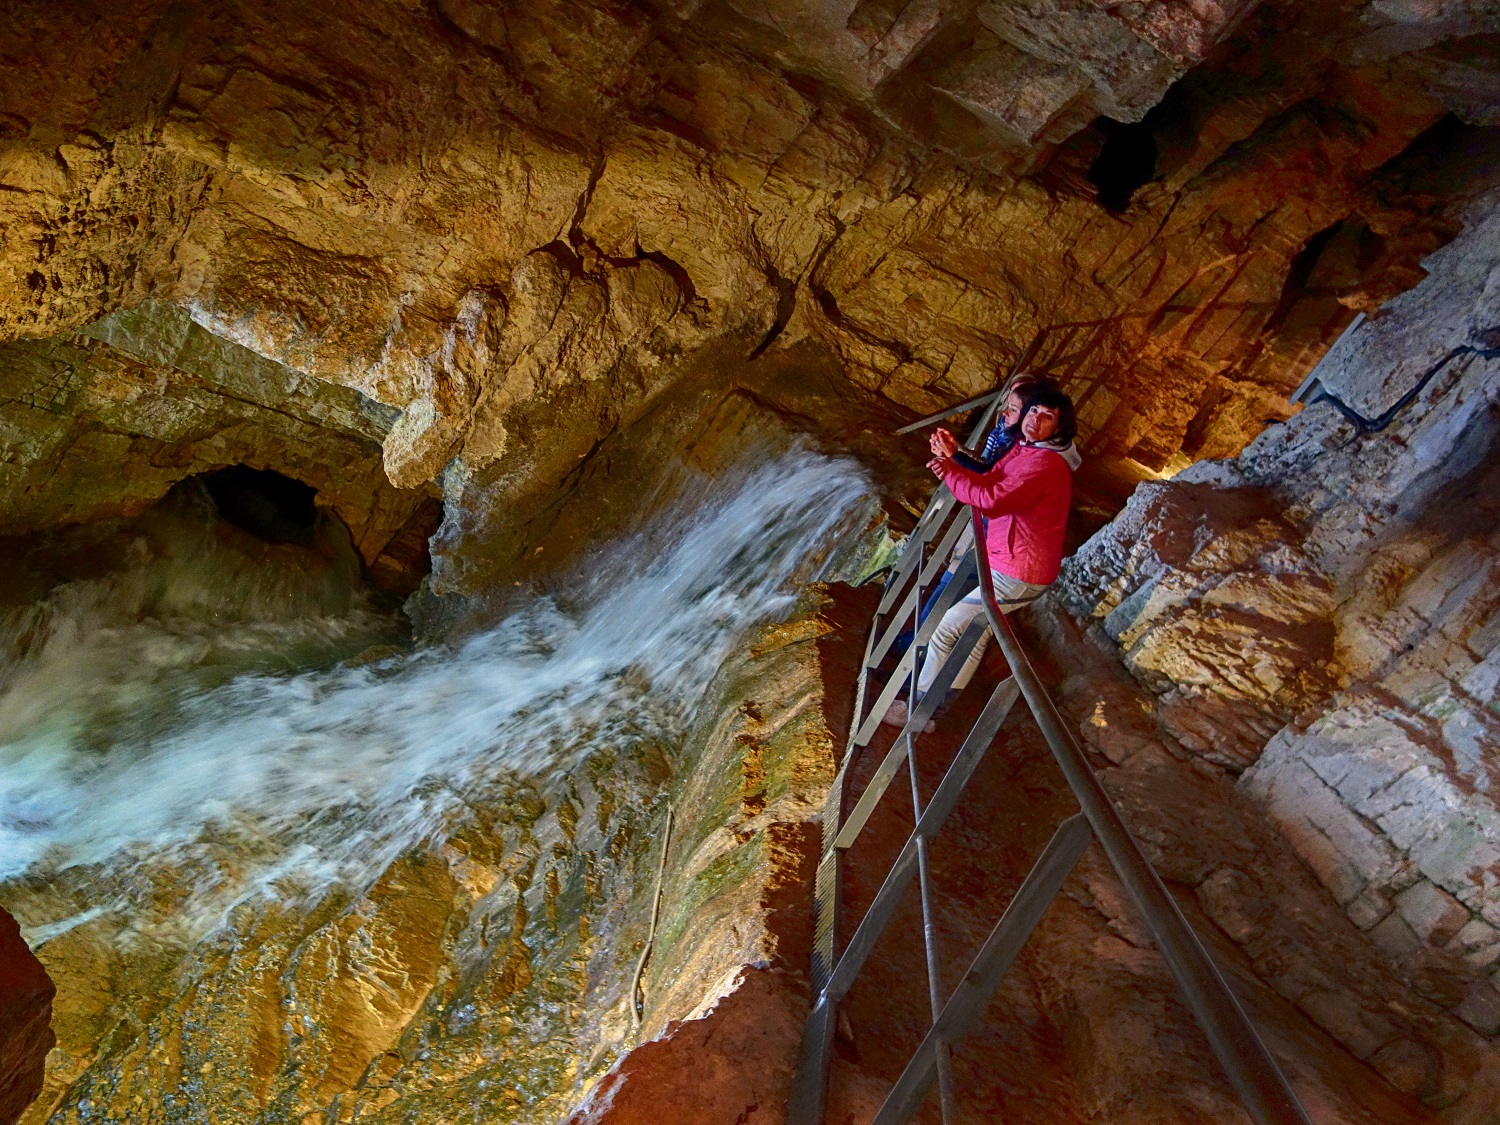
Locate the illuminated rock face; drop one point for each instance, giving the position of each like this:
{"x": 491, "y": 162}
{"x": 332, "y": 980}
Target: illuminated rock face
{"x": 513, "y": 259}
{"x": 520, "y": 229}
{"x": 101, "y": 424}
{"x": 477, "y": 958}
{"x": 1325, "y": 611}
{"x": 487, "y": 975}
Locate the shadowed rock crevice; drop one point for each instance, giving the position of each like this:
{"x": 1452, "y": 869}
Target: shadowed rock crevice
{"x": 265, "y": 503}
{"x": 725, "y": 145}
{"x": 1126, "y": 161}
{"x": 1370, "y": 565}
{"x": 26, "y": 994}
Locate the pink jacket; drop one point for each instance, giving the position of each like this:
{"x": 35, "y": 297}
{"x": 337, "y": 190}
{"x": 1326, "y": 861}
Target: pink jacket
{"x": 1025, "y": 497}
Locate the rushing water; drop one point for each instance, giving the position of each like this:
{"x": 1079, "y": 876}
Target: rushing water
{"x": 190, "y": 705}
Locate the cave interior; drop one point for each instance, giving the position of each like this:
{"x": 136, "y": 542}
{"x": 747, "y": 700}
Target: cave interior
{"x": 448, "y": 455}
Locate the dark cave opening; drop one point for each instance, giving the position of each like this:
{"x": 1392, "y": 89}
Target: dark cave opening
{"x": 1125, "y": 163}
{"x": 1299, "y": 274}
{"x": 267, "y": 504}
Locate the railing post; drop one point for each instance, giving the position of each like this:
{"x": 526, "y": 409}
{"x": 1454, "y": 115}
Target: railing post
{"x": 935, "y": 997}
{"x": 1249, "y": 1066}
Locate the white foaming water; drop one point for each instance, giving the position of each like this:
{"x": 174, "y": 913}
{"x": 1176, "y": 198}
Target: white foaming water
{"x": 319, "y": 778}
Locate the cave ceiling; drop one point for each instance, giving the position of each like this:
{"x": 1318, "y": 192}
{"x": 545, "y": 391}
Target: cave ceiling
{"x": 520, "y": 225}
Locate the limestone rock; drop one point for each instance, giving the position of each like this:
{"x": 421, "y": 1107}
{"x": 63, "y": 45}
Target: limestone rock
{"x": 906, "y": 191}
{"x": 26, "y": 994}
{"x": 1373, "y": 368}
{"x": 1214, "y": 604}
{"x": 157, "y": 398}
{"x": 1331, "y": 596}
{"x": 1357, "y": 975}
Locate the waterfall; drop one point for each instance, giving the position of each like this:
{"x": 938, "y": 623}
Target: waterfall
{"x": 187, "y": 710}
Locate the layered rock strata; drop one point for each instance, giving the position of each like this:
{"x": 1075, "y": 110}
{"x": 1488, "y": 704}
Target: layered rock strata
{"x": 1360, "y": 1037}
{"x": 488, "y": 976}
{"x": 489, "y": 971}
{"x": 520, "y": 229}
{"x": 520, "y": 255}
{"x": 1321, "y": 614}
{"x": 102, "y": 423}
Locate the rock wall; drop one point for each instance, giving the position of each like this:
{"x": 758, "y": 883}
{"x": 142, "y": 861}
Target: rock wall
{"x": 1323, "y": 610}
{"x": 486, "y": 977}
{"x": 1360, "y": 1036}
{"x": 25, "y": 1022}
{"x": 521, "y": 229}
{"x": 487, "y": 972}
{"x": 512, "y": 254}
{"x": 156, "y": 398}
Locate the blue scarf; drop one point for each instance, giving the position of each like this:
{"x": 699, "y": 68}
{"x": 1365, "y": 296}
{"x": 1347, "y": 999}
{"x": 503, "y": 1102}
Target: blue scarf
{"x": 995, "y": 447}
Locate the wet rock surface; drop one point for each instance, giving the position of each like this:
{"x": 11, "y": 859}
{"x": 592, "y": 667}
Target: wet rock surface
{"x": 25, "y": 1021}
{"x": 478, "y": 962}
{"x": 483, "y": 977}
{"x": 1088, "y": 1024}
{"x": 157, "y": 399}
{"x": 499, "y": 265}
{"x": 735, "y": 1061}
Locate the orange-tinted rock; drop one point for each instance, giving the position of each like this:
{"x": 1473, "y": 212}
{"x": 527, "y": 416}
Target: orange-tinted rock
{"x": 1343, "y": 654}
{"x": 156, "y": 398}
{"x": 520, "y": 232}
{"x": 25, "y": 1021}
{"x": 571, "y": 243}
{"x": 732, "y": 1065}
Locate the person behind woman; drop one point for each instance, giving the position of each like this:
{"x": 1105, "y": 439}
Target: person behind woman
{"x": 1000, "y": 441}
{"x": 1007, "y": 430}
{"x": 1025, "y": 499}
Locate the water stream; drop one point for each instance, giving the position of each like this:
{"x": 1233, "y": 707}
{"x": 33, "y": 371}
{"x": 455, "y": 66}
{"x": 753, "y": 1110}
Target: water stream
{"x": 248, "y": 724}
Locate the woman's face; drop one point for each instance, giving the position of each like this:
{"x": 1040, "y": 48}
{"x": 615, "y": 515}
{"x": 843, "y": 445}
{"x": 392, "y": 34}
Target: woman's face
{"x": 1012, "y": 413}
{"x": 1040, "y": 423}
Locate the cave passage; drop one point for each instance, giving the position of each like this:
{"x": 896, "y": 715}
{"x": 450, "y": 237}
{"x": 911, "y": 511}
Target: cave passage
{"x": 1125, "y": 163}
{"x": 267, "y": 504}
{"x": 474, "y": 762}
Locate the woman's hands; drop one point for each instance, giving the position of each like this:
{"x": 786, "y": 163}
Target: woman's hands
{"x": 942, "y": 443}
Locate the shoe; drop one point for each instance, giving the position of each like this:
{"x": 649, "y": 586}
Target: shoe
{"x": 898, "y": 715}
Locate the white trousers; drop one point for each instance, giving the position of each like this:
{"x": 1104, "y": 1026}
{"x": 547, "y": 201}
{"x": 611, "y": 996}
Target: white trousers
{"x": 1010, "y": 594}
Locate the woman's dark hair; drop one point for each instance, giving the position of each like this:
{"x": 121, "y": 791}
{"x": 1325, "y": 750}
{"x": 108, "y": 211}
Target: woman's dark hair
{"x": 1023, "y": 386}
{"x": 1049, "y": 394}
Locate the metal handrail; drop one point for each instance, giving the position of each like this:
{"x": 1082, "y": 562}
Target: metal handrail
{"x": 989, "y": 399}
{"x": 833, "y": 974}
{"x": 1249, "y": 1066}
{"x": 986, "y": 399}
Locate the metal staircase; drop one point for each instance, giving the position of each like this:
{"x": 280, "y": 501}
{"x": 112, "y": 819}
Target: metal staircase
{"x": 932, "y": 547}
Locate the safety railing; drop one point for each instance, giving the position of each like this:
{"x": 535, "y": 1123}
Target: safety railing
{"x": 939, "y": 543}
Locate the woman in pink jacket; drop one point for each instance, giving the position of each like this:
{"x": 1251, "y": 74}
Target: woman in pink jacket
{"x": 1025, "y": 498}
